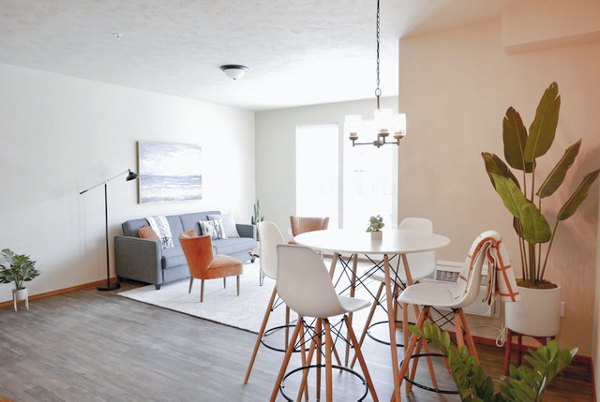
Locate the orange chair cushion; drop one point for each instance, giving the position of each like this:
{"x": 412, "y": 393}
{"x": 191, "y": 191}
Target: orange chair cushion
{"x": 146, "y": 232}
{"x": 224, "y": 265}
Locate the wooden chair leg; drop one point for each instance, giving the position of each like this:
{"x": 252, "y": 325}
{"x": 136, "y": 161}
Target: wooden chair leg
{"x": 460, "y": 340}
{"x": 413, "y": 369}
{"x": 361, "y": 360}
{"x": 237, "y": 284}
{"x": 430, "y": 365}
{"x": 287, "y": 326}
{"x": 470, "y": 342}
{"x": 328, "y": 365}
{"x": 286, "y": 361}
{"x": 191, "y": 283}
{"x": 201, "y": 290}
{"x": 261, "y": 332}
{"x": 319, "y": 330}
{"x": 369, "y": 319}
{"x": 519, "y": 349}
{"x": 409, "y": 350}
{"x": 507, "y": 351}
{"x": 311, "y": 351}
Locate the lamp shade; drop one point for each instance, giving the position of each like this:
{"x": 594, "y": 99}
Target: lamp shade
{"x": 131, "y": 176}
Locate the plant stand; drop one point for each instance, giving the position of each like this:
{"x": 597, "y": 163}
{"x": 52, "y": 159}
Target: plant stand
{"x": 19, "y": 295}
{"x": 508, "y": 346}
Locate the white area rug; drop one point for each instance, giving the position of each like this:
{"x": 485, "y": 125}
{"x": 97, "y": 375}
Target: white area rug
{"x": 224, "y": 307}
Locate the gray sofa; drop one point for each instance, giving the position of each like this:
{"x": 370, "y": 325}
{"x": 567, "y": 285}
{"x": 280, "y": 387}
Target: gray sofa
{"x": 145, "y": 260}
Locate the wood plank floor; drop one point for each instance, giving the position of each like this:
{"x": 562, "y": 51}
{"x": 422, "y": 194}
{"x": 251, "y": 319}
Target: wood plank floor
{"x": 94, "y": 346}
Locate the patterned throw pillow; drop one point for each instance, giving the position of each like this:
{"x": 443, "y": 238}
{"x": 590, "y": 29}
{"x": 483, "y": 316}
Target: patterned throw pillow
{"x": 213, "y": 228}
{"x": 228, "y": 224}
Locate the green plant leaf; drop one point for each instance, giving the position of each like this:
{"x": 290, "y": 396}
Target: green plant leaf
{"x": 557, "y": 174}
{"x": 578, "y": 196}
{"x": 543, "y": 127}
{"x": 495, "y": 165}
{"x": 535, "y": 227}
{"x": 514, "y": 136}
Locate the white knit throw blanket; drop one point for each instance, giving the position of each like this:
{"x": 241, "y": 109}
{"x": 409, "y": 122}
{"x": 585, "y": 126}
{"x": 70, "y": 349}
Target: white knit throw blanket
{"x": 161, "y": 227}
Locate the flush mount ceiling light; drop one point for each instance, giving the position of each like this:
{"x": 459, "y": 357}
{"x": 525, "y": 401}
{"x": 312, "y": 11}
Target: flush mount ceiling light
{"x": 384, "y": 122}
{"x": 234, "y": 71}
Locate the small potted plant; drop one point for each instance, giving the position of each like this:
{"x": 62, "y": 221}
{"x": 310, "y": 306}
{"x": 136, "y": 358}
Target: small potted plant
{"x": 375, "y": 226}
{"x": 17, "y": 268}
{"x": 538, "y": 312}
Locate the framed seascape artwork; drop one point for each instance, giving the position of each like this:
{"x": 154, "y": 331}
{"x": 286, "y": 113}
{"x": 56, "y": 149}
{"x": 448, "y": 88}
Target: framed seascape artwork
{"x": 169, "y": 171}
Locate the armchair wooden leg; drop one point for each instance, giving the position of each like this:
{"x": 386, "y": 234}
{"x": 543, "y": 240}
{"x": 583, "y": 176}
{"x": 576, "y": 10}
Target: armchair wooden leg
{"x": 191, "y": 283}
{"x": 201, "y": 290}
{"x": 286, "y": 361}
{"x": 263, "y": 326}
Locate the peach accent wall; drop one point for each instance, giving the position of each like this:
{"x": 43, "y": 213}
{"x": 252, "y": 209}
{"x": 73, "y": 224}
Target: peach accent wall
{"x": 455, "y": 87}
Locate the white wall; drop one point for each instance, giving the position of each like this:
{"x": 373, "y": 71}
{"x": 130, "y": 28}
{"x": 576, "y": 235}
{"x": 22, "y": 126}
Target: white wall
{"x": 276, "y": 153}
{"x": 455, "y": 87}
{"x": 60, "y": 135}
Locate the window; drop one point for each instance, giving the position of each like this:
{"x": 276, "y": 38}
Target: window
{"x": 317, "y": 184}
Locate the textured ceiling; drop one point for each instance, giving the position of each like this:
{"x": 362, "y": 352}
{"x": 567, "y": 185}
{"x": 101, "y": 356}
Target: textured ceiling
{"x": 299, "y": 52}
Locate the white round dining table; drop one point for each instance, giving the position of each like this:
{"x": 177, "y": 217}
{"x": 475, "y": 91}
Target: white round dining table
{"x": 394, "y": 242}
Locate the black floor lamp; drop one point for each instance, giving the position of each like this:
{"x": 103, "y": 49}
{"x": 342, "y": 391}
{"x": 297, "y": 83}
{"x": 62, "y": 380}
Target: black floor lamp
{"x": 130, "y": 176}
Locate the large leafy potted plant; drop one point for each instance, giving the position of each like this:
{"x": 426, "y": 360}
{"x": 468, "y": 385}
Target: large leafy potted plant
{"x": 525, "y": 383}
{"x": 538, "y": 313}
{"x": 17, "y": 269}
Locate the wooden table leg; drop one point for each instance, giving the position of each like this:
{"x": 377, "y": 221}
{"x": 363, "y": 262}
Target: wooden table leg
{"x": 392, "y": 326}
{"x": 352, "y": 293}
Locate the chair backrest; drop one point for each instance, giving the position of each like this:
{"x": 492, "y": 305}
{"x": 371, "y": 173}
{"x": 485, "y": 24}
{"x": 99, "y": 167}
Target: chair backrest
{"x": 303, "y": 283}
{"x": 198, "y": 253}
{"x": 270, "y": 238}
{"x": 421, "y": 264}
{"x": 466, "y": 289}
{"x": 303, "y": 224}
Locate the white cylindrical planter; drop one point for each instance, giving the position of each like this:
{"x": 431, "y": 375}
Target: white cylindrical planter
{"x": 19, "y": 295}
{"x": 536, "y": 314}
{"x": 376, "y": 235}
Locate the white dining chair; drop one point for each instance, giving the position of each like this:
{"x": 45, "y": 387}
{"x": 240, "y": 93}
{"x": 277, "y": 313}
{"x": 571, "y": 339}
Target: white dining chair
{"x": 305, "y": 286}
{"x": 270, "y": 238}
{"x": 454, "y": 296}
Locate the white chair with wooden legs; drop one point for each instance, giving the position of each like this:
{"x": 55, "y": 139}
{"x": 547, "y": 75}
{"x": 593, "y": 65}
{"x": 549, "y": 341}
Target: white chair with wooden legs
{"x": 270, "y": 238}
{"x": 454, "y": 296}
{"x": 421, "y": 266}
{"x": 304, "y": 285}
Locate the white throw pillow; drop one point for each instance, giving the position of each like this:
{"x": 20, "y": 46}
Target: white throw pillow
{"x": 228, "y": 224}
{"x": 214, "y": 228}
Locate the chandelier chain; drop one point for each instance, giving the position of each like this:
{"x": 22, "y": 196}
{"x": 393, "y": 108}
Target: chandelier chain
{"x": 378, "y": 90}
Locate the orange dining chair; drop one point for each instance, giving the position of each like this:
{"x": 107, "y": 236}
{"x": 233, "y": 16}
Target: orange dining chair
{"x": 204, "y": 265}
{"x": 303, "y": 224}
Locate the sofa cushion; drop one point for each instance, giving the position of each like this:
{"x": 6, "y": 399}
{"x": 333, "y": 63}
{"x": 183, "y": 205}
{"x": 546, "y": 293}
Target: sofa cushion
{"x": 190, "y": 221}
{"x": 173, "y": 257}
{"x": 234, "y": 245}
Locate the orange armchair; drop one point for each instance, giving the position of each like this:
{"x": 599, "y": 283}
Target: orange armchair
{"x": 302, "y": 224}
{"x": 203, "y": 265}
